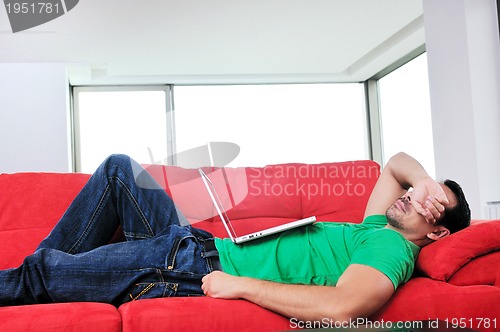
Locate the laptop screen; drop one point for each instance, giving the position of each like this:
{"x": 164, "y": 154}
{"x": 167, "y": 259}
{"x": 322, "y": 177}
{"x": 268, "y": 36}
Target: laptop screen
{"x": 217, "y": 203}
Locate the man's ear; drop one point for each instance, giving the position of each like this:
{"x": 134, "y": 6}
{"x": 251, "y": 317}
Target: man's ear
{"x": 438, "y": 234}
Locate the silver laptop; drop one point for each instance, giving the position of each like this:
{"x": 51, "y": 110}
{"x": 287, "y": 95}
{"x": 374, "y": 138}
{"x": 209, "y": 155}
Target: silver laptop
{"x": 248, "y": 237}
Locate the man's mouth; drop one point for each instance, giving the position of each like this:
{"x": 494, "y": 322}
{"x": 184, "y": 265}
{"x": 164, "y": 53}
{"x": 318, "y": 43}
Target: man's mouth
{"x": 400, "y": 204}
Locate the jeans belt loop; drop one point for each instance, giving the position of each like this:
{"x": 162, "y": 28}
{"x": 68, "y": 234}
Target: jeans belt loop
{"x": 211, "y": 254}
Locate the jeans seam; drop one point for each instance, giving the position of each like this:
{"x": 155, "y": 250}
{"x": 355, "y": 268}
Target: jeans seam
{"x": 144, "y": 291}
{"x": 131, "y": 197}
{"x": 162, "y": 280}
{"x": 173, "y": 254}
{"x": 91, "y": 222}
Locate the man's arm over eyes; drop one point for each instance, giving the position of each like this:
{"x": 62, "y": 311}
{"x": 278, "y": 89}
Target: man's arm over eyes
{"x": 400, "y": 174}
{"x": 393, "y": 183}
{"x": 360, "y": 292}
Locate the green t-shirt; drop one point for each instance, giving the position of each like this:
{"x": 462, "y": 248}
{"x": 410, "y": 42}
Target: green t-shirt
{"x": 320, "y": 253}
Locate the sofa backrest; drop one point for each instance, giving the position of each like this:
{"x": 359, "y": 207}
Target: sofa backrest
{"x": 257, "y": 197}
{"x": 254, "y": 197}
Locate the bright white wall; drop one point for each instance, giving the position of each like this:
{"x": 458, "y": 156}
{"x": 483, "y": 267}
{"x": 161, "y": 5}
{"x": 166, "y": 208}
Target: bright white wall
{"x": 33, "y": 118}
{"x": 463, "y": 54}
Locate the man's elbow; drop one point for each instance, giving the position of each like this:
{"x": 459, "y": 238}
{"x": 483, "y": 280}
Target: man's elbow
{"x": 352, "y": 308}
{"x": 342, "y": 313}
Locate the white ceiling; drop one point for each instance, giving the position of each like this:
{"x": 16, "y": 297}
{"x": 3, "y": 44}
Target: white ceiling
{"x": 221, "y": 41}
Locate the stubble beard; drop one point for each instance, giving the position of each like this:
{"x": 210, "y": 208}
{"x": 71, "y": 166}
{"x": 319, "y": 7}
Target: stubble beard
{"x": 394, "y": 220}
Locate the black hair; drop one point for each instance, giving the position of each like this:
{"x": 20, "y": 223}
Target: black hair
{"x": 458, "y": 217}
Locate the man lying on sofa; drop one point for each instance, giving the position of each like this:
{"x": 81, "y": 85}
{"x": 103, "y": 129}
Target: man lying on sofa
{"x": 343, "y": 271}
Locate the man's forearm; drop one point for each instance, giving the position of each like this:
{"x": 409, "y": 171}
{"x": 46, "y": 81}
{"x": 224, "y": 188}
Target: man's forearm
{"x": 406, "y": 170}
{"x": 298, "y": 301}
{"x": 360, "y": 291}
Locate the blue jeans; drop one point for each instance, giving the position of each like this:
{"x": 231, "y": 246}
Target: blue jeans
{"x": 76, "y": 262}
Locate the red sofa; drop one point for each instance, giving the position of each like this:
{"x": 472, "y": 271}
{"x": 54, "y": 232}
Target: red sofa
{"x": 456, "y": 280}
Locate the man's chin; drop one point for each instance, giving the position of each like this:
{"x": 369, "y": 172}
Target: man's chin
{"x": 393, "y": 221}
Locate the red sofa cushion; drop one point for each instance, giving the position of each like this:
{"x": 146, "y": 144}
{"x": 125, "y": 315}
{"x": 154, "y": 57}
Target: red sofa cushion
{"x": 442, "y": 259}
{"x": 30, "y": 206}
{"x": 199, "y": 314}
{"x": 67, "y": 317}
{"x": 338, "y": 191}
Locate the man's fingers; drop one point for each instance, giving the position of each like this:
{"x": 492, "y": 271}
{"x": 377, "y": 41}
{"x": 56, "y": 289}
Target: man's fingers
{"x": 435, "y": 204}
{"x": 425, "y": 211}
{"x": 435, "y": 207}
{"x": 205, "y": 281}
{"x": 442, "y": 199}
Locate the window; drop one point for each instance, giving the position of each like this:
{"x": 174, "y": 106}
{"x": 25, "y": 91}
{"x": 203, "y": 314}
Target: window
{"x": 309, "y": 123}
{"x": 129, "y": 120}
{"x": 405, "y": 112}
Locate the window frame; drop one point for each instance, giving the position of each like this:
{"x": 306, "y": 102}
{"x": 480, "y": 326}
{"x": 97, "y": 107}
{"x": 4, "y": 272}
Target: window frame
{"x": 373, "y": 106}
{"x": 75, "y": 116}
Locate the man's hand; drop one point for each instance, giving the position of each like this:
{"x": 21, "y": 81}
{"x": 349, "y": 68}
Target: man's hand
{"x": 221, "y": 285}
{"x": 429, "y": 199}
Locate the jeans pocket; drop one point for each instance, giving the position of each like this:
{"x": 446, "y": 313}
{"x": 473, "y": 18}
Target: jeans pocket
{"x": 153, "y": 290}
{"x": 183, "y": 251}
